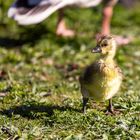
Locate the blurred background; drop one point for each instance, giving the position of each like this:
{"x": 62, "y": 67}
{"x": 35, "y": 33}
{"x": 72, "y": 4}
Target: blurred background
{"x": 47, "y": 27}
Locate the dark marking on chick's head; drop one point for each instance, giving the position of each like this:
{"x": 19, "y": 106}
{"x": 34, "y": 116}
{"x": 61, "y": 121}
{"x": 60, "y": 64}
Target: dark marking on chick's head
{"x": 105, "y": 43}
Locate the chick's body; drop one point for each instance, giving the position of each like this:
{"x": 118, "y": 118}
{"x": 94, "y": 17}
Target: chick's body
{"x": 102, "y": 79}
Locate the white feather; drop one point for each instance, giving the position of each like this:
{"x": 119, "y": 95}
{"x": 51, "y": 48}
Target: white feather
{"x": 26, "y": 19}
{"x": 54, "y": 5}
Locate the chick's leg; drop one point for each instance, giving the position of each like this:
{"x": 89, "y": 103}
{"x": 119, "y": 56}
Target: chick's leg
{"x": 85, "y": 95}
{"x": 110, "y": 107}
{"x": 85, "y": 100}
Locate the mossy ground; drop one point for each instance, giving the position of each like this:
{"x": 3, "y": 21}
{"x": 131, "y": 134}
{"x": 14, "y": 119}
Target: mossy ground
{"x": 39, "y": 76}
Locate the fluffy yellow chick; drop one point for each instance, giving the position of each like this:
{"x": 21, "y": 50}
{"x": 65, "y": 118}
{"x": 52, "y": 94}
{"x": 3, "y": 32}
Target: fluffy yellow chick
{"x": 102, "y": 79}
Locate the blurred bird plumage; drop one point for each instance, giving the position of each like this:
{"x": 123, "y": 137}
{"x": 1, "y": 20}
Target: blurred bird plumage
{"x": 27, "y": 12}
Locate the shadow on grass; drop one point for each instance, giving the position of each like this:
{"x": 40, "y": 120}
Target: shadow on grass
{"x": 24, "y": 35}
{"x": 32, "y": 34}
{"x": 10, "y": 42}
{"x": 32, "y": 111}
{"x": 33, "y": 38}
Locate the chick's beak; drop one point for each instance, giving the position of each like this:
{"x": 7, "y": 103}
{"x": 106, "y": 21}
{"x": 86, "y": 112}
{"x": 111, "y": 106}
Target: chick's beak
{"x": 97, "y": 49}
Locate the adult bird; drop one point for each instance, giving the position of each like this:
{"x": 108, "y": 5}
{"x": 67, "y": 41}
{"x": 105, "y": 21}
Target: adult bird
{"x": 27, "y": 12}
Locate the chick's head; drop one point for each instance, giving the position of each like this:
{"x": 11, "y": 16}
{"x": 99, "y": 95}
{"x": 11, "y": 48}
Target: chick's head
{"x": 106, "y": 45}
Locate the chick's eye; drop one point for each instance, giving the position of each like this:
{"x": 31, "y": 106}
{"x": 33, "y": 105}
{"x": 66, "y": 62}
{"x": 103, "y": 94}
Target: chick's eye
{"x": 105, "y": 44}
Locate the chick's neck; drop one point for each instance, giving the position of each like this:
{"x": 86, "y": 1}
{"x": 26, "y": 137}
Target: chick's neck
{"x": 108, "y": 58}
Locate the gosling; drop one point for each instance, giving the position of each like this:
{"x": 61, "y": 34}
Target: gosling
{"x": 102, "y": 79}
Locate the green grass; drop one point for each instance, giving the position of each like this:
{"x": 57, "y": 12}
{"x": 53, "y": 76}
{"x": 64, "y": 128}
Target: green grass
{"x": 39, "y": 76}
